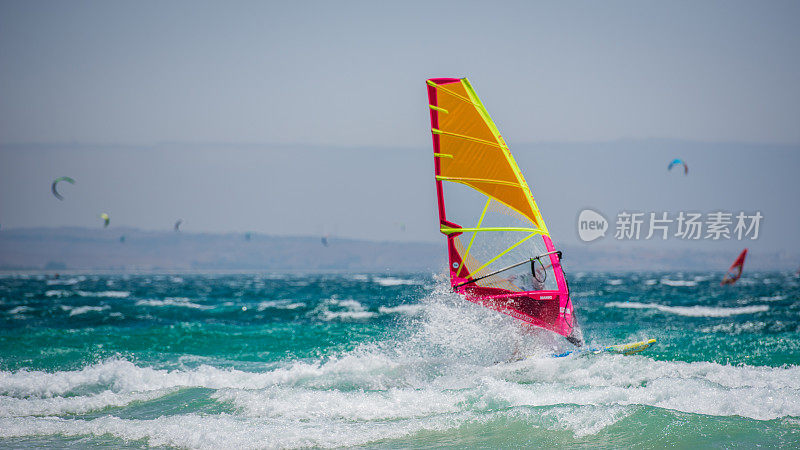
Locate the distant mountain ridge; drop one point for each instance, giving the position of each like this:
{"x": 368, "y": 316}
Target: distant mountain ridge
{"x": 84, "y": 248}
{"x": 70, "y": 248}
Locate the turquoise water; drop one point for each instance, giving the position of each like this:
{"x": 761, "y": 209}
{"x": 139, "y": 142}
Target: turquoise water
{"x": 392, "y": 360}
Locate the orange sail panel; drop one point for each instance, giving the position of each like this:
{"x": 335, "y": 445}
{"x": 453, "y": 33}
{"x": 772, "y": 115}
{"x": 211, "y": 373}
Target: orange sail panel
{"x": 473, "y": 152}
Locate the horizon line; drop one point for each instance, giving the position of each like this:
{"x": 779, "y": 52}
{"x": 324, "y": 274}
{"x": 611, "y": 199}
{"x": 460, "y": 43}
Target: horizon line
{"x": 167, "y": 143}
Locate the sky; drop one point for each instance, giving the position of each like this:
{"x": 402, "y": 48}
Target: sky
{"x": 311, "y": 117}
{"x": 349, "y": 73}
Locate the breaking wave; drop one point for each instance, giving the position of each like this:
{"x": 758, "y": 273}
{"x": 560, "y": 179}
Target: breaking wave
{"x": 367, "y": 396}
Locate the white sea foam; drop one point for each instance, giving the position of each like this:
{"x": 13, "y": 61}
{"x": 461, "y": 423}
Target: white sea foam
{"x": 78, "y": 310}
{"x": 57, "y": 293}
{"x": 226, "y": 431}
{"x": 761, "y": 393}
{"x": 350, "y": 304}
{"x": 356, "y": 315}
{"x": 615, "y": 282}
{"x": 280, "y": 304}
{"x": 393, "y": 281}
{"x": 686, "y": 283}
{"x": 181, "y": 302}
{"x": 108, "y": 294}
{"x": 309, "y": 404}
{"x": 365, "y": 397}
{"x": 347, "y": 309}
{"x": 693, "y": 311}
{"x": 585, "y": 420}
{"x": 65, "y": 282}
{"x": 735, "y": 328}
{"x": 121, "y": 376}
{"x": 402, "y": 309}
{"x": 578, "y": 294}
{"x": 19, "y": 309}
{"x": 773, "y": 298}
{"x": 20, "y": 407}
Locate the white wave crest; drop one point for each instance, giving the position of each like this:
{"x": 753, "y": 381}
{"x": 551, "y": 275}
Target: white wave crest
{"x": 123, "y": 376}
{"x": 225, "y": 431}
{"x": 108, "y": 294}
{"x": 64, "y": 282}
{"x": 686, "y": 283}
{"x": 693, "y": 311}
{"x": 180, "y": 302}
{"x": 280, "y": 304}
{"x": 393, "y": 281}
{"x": 347, "y": 309}
{"x": 19, "y": 309}
{"x": 402, "y": 309}
{"x": 773, "y": 298}
{"x": 20, "y": 407}
{"x": 356, "y": 315}
{"x": 367, "y": 397}
{"x": 78, "y": 310}
{"x": 57, "y": 293}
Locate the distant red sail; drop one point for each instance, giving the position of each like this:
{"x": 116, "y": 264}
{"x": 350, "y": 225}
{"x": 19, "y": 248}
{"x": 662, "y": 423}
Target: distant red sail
{"x": 735, "y": 271}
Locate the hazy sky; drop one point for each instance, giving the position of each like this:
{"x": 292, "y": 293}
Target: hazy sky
{"x": 351, "y": 73}
{"x": 331, "y": 96}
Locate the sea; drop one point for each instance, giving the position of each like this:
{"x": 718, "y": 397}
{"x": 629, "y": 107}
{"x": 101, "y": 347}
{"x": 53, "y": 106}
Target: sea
{"x": 392, "y": 360}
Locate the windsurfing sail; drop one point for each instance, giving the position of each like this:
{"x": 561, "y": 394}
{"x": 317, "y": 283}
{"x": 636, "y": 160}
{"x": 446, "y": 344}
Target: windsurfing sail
{"x": 735, "y": 271}
{"x": 500, "y": 251}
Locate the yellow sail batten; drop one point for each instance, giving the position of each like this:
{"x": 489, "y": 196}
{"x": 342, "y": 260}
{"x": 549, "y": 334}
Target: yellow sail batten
{"x": 442, "y": 155}
{"x": 451, "y": 230}
{"x": 478, "y": 270}
{"x": 469, "y": 138}
{"x": 476, "y": 180}
{"x": 436, "y": 108}
{"x": 454, "y": 94}
{"x": 472, "y": 239}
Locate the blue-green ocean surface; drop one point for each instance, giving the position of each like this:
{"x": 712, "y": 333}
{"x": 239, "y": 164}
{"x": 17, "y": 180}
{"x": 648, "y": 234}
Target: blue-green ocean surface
{"x": 392, "y": 360}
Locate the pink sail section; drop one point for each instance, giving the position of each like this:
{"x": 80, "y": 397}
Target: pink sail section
{"x": 549, "y": 309}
